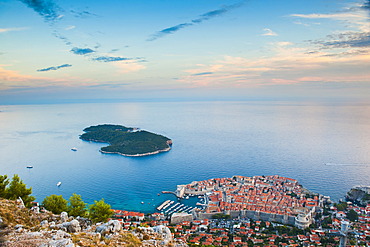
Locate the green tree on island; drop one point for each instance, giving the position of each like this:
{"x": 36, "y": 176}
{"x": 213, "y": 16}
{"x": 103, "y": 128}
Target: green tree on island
{"x": 55, "y": 204}
{"x": 17, "y": 189}
{"x": 76, "y": 207}
{"x": 100, "y": 211}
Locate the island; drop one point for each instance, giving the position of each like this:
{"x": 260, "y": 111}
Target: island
{"x": 127, "y": 141}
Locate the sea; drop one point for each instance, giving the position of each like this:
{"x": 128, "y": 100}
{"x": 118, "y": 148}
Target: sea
{"x": 325, "y": 146}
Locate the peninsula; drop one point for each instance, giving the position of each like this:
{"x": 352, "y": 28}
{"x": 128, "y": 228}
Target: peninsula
{"x": 127, "y": 141}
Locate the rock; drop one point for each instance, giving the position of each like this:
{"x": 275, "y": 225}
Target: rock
{"x": 102, "y": 229}
{"x": 35, "y": 209}
{"x": 112, "y": 226}
{"x": 62, "y": 226}
{"x": 20, "y": 202}
{"x": 115, "y": 226}
{"x": 34, "y": 234}
{"x": 18, "y": 226}
{"x": 61, "y": 235}
{"x": 64, "y": 216}
{"x": 59, "y": 243}
{"x": 44, "y": 223}
{"x": 52, "y": 224}
{"x": 84, "y": 222}
{"x": 164, "y": 232}
{"x": 74, "y": 226}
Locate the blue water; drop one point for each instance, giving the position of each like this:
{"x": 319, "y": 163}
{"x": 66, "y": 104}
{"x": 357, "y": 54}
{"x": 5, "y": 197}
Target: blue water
{"x": 211, "y": 139}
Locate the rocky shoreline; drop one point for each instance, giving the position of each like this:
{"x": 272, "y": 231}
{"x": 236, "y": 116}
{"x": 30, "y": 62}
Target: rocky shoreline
{"x": 138, "y": 155}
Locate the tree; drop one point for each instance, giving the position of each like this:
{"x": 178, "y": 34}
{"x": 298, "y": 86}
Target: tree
{"x": 18, "y": 189}
{"x": 352, "y": 215}
{"x": 4, "y": 181}
{"x": 341, "y": 206}
{"x": 100, "y": 211}
{"x": 55, "y": 204}
{"x": 76, "y": 207}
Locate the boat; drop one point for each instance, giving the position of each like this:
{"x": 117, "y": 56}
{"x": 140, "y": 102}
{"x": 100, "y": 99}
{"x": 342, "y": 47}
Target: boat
{"x": 29, "y": 167}
{"x": 59, "y": 183}
{"x": 187, "y": 197}
{"x": 74, "y": 149}
{"x": 142, "y": 202}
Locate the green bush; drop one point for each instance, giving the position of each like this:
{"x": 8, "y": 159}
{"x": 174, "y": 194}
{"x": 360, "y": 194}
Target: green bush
{"x": 55, "y": 204}
{"x": 15, "y": 189}
{"x": 76, "y": 207}
{"x": 100, "y": 211}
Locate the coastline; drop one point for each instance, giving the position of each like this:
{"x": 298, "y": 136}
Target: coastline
{"x": 138, "y": 155}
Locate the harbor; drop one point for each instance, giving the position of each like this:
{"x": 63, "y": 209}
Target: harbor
{"x": 169, "y": 207}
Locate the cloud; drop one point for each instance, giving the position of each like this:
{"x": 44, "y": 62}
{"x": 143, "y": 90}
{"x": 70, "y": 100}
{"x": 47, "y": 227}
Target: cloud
{"x": 83, "y": 14}
{"x": 200, "y": 19}
{"x": 356, "y": 16}
{"x": 269, "y": 32}
{"x": 110, "y": 59}
{"x": 345, "y": 40}
{"x": 47, "y": 9}
{"x": 129, "y": 67}
{"x": 11, "y": 78}
{"x": 202, "y": 73}
{"x": 62, "y": 38}
{"x": 55, "y": 68}
{"x": 5, "y": 30}
{"x": 70, "y": 27}
{"x": 290, "y": 64}
{"x": 81, "y": 51}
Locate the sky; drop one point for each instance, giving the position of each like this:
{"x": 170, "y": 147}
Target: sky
{"x": 100, "y": 51}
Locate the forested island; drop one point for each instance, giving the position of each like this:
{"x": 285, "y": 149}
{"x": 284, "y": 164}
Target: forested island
{"x": 127, "y": 141}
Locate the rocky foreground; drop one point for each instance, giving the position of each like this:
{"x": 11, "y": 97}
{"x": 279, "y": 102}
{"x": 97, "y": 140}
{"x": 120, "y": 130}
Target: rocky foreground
{"x": 20, "y": 226}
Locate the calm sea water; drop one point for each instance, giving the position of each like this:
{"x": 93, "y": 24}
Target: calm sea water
{"x": 211, "y": 139}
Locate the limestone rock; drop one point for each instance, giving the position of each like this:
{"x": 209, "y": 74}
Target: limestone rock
{"x": 84, "y": 222}
{"x": 20, "y": 202}
{"x": 64, "y": 216}
{"x": 44, "y": 223}
{"x": 165, "y": 232}
{"x": 59, "y": 243}
{"x": 112, "y": 226}
{"x": 74, "y": 226}
{"x": 35, "y": 209}
{"x": 61, "y": 235}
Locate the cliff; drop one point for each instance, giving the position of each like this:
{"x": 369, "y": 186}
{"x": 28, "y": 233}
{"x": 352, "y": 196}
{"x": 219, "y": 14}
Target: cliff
{"x": 359, "y": 195}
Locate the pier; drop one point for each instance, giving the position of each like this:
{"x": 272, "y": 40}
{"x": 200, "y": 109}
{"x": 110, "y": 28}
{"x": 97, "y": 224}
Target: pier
{"x": 163, "y": 205}
{"x": 180, "y": 191}
{"x": 169, "y": 207}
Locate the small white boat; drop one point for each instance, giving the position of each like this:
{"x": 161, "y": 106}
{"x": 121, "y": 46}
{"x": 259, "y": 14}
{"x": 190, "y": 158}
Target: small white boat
{"x": 74, "y": 149}
{"x": 142, "y": 202}
{"x": 29, "y": 167}
{"x": 59, "y": 183}
{"x": 187, "y": 197}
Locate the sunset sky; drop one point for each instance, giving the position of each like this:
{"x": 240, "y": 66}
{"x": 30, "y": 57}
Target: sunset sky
{"x": 97, "y": 51}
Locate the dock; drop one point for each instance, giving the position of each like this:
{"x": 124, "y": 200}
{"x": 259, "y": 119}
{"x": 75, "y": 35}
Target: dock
{"x": 169, "y": 207}
{"x": 163, "y": 205}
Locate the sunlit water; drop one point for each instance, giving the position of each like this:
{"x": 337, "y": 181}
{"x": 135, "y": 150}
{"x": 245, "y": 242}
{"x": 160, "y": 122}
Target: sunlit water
{"x": 325, "y": 147}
